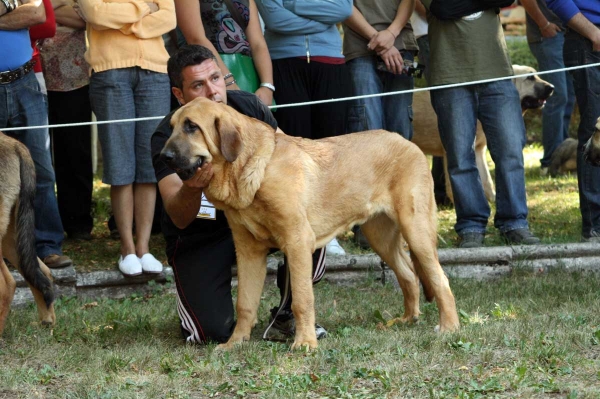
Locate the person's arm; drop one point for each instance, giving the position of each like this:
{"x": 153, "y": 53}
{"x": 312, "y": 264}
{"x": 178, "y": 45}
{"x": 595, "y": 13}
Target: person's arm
{"x": 280, "y": 20}
{"x": 48, "y": 27}
{"x": 568, "y": 12}
{"x": 66, "y": 15}
{"x": 156, "y": 23}
{"x": 420, "y": 9}
{"x": 329, "y": 12}
{"x": 547, "y": 28}
{"x": 385, "y": 39}
{"x": 112, "y": 15}
{"x": 189, "y": 22}
{"x": 260, "y": 55}
{"x": 359, "y": 24}
{"x": 585, "y": 28}
{"x": 27, "y": 14}
{"x": 181, "y": 199}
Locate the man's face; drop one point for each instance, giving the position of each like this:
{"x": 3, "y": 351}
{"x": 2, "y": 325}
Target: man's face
{"x": 202, "y": 80}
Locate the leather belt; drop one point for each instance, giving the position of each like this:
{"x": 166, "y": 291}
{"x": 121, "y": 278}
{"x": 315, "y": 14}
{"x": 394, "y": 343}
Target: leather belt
{"x": 7, "y": 77}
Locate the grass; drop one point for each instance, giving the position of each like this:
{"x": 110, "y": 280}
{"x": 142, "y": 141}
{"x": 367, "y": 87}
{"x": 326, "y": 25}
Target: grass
{"x": 523, "y": 336}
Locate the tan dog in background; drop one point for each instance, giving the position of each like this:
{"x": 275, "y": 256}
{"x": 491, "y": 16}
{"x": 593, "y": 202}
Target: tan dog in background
{"x": 533, "y": 92}
{"x": 17, "y": 232}
{"x": 296, "y": 194}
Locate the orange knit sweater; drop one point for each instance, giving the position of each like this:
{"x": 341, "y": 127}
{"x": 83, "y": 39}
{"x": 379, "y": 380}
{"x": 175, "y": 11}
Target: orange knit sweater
{"x": 123, "y": 34}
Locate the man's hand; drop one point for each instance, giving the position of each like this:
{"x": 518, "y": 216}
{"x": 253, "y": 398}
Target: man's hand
{"x": 550, "y": 30}
{"x": 79, "y": 11}
{"x": 393, "y": 60}
{"x": 265, "y": 95}
{"x": 200, "y": 179}
{"x": 381, "y": 41}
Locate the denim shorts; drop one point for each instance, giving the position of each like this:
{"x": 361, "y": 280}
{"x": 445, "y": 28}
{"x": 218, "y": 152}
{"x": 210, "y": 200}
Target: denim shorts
{"x": 124, "y": 94}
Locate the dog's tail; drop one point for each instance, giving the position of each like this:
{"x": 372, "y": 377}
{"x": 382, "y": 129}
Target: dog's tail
{"x": 25, "y": 229}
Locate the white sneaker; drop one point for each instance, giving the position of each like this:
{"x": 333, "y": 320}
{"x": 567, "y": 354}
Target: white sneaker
{"x": 130, "y": 265}
{"x": 150, "y": 264}
{"x": 334, "y": 248}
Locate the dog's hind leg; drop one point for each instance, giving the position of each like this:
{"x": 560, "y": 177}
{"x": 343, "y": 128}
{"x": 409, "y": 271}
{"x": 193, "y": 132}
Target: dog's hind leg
{"x": 385, "y": 239}
{"x": 7, "y": 292}
{"x": 251, "y": 272}
{"x": 417, "y": 218}
{"x": 45, "y": 311}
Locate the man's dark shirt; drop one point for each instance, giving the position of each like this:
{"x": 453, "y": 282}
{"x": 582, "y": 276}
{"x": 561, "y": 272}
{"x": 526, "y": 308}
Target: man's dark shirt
{"x": 205, "y": 230}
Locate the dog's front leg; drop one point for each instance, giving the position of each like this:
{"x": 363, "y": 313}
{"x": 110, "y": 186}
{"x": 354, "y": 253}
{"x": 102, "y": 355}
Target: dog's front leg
{"x": 251, "y": 271}
{"x": 303, "y": 302}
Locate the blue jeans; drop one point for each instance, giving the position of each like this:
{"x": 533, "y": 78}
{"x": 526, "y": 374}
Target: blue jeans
{"x": 556, "y": 114}
{"x": 22, "y": 104}
{"x": 498, "y": 107}
{"x": 393, "y": 113}
{"x": 578, "y": 51}
{"x": 123, "y": 94}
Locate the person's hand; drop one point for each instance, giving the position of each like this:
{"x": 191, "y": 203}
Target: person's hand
{"x": 381, "y": 41}
{"x": 79, "y": 11}
{"x": 265, "y": 95}
{"x": 153, "y": 6}
{"x": 393, "y": 60}
{"x": 201, "y": 178}
{"x": 550, "y": 30}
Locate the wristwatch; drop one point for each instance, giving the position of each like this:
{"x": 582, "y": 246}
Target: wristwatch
{"x": 268, "y": 86}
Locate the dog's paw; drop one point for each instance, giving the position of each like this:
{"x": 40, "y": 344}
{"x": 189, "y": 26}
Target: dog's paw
{"x": 305, "y": 345}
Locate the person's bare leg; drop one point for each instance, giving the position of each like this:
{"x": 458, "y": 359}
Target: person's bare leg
{"x": 144, "y": 197}
{"x": 121, "y": 198}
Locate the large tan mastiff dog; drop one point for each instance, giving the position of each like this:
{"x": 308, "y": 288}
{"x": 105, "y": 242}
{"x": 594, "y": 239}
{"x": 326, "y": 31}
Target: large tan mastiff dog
{"x": 533, "y": 92}
{"x": 296, "y": 194}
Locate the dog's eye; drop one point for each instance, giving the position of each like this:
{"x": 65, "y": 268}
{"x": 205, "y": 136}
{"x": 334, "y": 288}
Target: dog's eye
{"x": 190, "y": 127}
{"x": 530, "y": 77}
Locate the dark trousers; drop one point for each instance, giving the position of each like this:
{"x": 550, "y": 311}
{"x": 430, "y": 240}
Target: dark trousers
{"x": 203, "y": 281}
{"x": 72, "y": 158}
{"x": 299, "y": 81}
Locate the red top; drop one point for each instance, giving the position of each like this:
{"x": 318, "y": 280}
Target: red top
{"x": 42, "y": 31}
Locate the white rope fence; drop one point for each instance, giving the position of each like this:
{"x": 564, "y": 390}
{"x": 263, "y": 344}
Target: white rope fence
{"x": 320, "y": 101}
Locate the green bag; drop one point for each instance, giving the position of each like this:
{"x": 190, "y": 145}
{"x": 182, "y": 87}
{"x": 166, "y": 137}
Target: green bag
{"x": 242, "y": 68}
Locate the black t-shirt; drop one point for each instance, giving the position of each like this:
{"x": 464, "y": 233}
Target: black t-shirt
{"x": 206, "y": 230}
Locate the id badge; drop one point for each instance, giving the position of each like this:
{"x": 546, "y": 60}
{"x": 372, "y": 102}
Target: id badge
{"x": 207, "y": 210}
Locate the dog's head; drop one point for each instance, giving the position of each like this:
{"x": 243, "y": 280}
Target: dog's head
{"x": 591, "y": 149}
{"x": 533, "y": 90}
{"x": 203, "y": 131}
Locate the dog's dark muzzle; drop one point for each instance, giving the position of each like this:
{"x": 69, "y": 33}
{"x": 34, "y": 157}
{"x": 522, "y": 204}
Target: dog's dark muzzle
{"x": 180, "y": 164}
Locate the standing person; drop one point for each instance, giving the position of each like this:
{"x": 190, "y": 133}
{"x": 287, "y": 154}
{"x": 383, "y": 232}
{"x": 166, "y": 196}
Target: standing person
{"x": 67, "y": 80}
{"x": 23, "y": 104}
{"x": 128, "y": 59}
{"x": 200, "y": 246}
{"x": 378, "y": 43}
{"x": 308, "y": 65}
{"x": 546, "y": 37}
{"x": 232, "y": 31}
{"x": 466, "y": 48}
{"x": 582, "y": 46}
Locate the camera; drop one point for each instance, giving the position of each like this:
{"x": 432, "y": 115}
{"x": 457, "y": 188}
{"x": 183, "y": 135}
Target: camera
{"x": 410, "y": 68}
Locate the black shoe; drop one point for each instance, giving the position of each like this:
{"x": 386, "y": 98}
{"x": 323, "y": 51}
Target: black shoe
{"x": 520, "y": 237}
{"x": 471, "y": 240}
{"x": 283, "y": 327}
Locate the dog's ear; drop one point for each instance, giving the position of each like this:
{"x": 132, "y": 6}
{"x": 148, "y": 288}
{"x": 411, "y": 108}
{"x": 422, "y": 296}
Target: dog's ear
{"x": 231, "y": 140}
